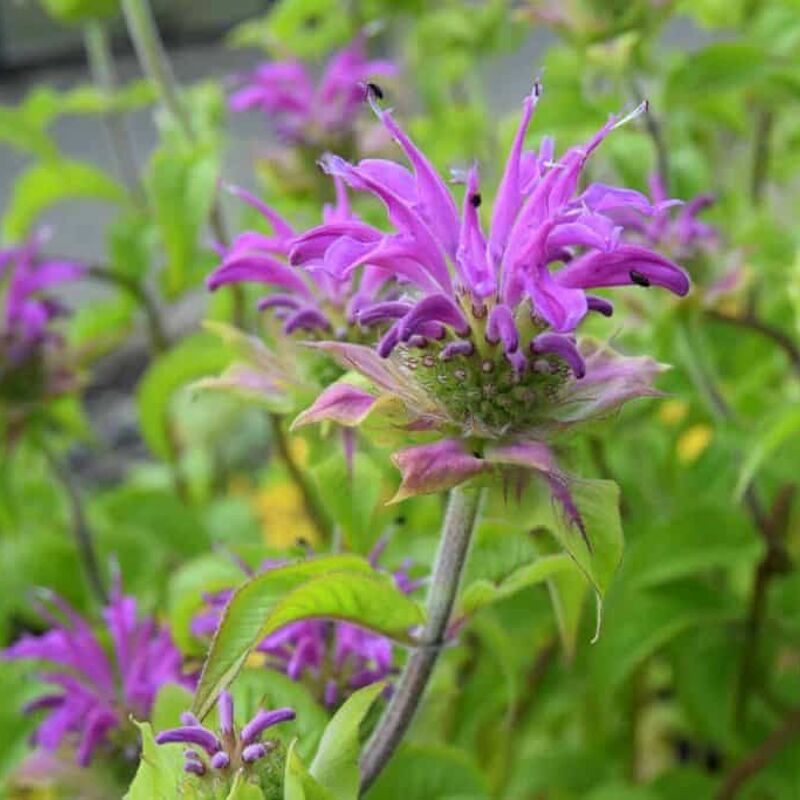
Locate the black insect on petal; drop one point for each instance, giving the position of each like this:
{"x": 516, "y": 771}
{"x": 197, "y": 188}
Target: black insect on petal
{"x": 375, "y": 91}
{"x": 639, "y": 279}
{"x": 475, "y": 200}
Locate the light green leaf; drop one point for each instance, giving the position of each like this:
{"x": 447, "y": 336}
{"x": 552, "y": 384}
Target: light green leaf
{"x": 339, "y": 587}
{"x": 779, "y": 430}
{"x": 49, "y": 182}
{"x": 171, "y": 701}
{"x": 160, "y": 771}
{"x": 194, "y": 357}
{"x": 242, "y": 789}
{"x": 298, "y": 784}
{"x": 482, "y": 592}
{"x": 181, "y": 185}
{"x": 335, "y": 765}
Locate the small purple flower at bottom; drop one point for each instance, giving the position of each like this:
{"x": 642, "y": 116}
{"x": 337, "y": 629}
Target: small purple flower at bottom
{"x": 229, "y": 750}
{"x": 95, "y": 691}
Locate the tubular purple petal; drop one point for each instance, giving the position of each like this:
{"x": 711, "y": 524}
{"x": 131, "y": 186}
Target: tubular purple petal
{"x": 560, "y": 346}
{"x": 434, "y": 308}
{"x": 306, "y": 319}
{"x": 459, "y": 348}
{"x": 501, "y": 327}
{"x": 191, "y": 734}
{"x": 263, "y": 720}
{"x": 253, "y": 752}
{"x": 600, "y": 304}
{"x": 220, "y": 760}
{"x": 225, "y": 711}
{"x": 194, "y": 768}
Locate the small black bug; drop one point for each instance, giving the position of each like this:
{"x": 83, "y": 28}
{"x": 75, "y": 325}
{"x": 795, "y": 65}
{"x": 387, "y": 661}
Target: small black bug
{"x": 639, "y": 279}
{"x": 375, "y": 91}
{"x": 475, "y": 200}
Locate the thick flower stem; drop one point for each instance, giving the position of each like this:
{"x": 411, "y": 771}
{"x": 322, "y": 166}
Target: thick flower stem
{"x": 104, "y": 75}
{"x": 315, "y": 512}
{"x": 462, "y": 515}
{"x": 80, "y": 527}
{"x": 156, "y": 65}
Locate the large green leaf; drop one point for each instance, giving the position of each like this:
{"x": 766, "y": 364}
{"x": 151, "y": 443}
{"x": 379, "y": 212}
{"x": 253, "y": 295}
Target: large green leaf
{"x": 335, "y": 765}
{"x": 49, "y": 182}
{"x": 598, "y": 554}
{"x": 339, "y": 587}
{"x": 196, "y": 356}
{"x": 298, "y": 783}
{"x": 661, "y": 613}
{"x": 695, "y": 540}
{"x": 424, "y": 773}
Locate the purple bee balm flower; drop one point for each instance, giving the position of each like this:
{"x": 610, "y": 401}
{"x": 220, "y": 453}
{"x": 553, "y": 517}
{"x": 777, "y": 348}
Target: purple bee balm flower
{"x": 27, "y": 308}
{"x": 229, "y": 751}
{"x": 94, "y": 691}
{"x": 318, "y": 303}
{"x": 306, "y": 113}
{"x": 679, "y": 232}
{"x": 483, "y": 347}
{"x": 304, "y": 651}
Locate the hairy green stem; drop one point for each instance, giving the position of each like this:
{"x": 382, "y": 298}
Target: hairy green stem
{"x": 462, "y": 515}
{"x": 104, "y": 75}
{"x": 156, "y": 65}
{"x": 316, "y": 513}
{"x": 80, "y": 526}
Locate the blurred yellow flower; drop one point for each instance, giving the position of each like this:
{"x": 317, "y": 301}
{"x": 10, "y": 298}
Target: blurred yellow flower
{"x": 673, "y": 411}
{"x": 280, "y": 509}
{"x": 693, "y": 442}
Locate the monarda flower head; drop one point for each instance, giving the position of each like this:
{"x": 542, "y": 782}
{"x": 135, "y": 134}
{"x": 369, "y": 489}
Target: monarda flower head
{"x": 482, "y": 348}
{"x": 308, "y": 114}
{"x": 32, "y": 366}
{"x": 333, "y": 658}
{"x": 217, "y": 759}
{"x": 95, "y": 690}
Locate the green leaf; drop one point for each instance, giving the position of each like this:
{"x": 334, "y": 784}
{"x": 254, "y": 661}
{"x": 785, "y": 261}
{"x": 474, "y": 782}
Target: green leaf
{"x": 598, "y": 503}
{"x": 422, "y": 773}
{"x": 171, "y": 701}
{"x": 719, "y": 67}
{"x": 568, "y": 589}
{"x": 307, "y": 28}
{"x": 351, "y": 499}
{"x": 784, "y": 427}
{"x": 482, "y": 593}
{"x": 340, "y": 587}
{"x": 49, "y": 182}
{"x": 196, "y": 356}
{"x": 160, "y": 770}
{"x": 181, "y": 185}
{"x": 693, "y": 541}
{"x": 335, "y": 765}
{"x": 242, "y": 789}
{"x": 298, "y": 784}
{"x": 662, "y": 613}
